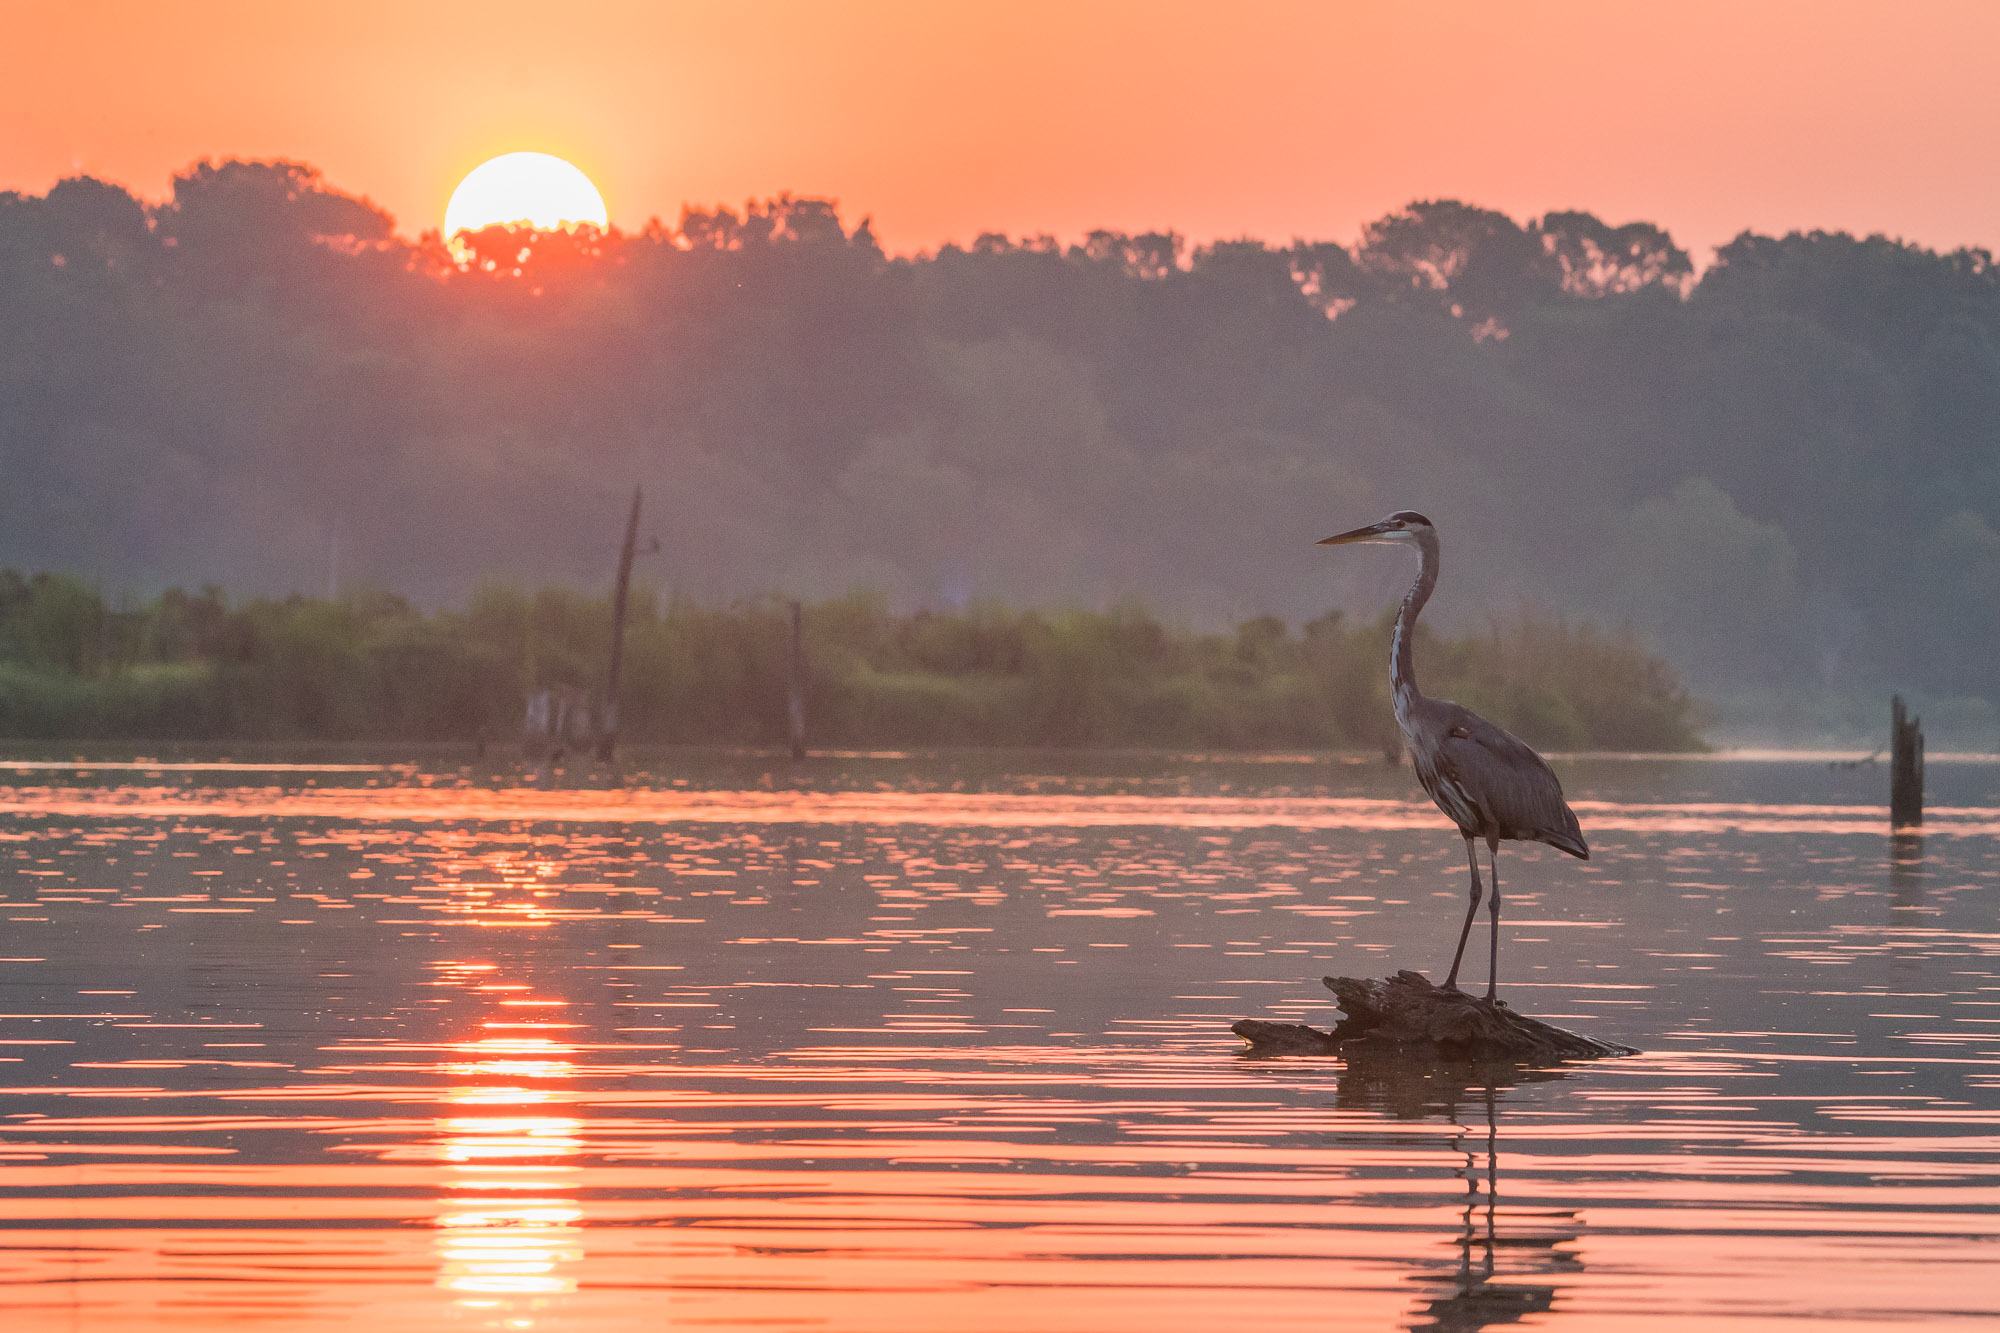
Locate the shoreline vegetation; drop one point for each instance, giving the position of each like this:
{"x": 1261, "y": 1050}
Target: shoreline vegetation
{"x": 370, "y": 666}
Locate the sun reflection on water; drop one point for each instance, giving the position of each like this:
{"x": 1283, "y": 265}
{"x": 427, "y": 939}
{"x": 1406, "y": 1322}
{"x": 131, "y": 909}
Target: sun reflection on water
{"x": 508, "y": 1234}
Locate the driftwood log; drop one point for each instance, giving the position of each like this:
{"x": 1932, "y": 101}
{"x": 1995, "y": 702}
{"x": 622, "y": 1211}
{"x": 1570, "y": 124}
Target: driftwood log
{"x": 1406, "y": 1016}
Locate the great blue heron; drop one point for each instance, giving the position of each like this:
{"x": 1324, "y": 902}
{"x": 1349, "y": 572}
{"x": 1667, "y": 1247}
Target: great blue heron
{"x": 1488, "y": 782}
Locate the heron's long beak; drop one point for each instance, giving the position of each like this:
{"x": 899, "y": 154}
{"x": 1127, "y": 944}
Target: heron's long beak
{"x": 1358, "y": 535}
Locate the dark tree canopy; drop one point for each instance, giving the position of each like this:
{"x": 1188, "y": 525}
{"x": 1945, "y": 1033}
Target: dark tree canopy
{"x": 1597, "y": 259}
{"x": 1786, "y": 471}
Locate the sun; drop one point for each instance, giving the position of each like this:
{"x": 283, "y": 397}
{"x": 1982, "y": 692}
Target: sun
{"x": 524, "y": 189}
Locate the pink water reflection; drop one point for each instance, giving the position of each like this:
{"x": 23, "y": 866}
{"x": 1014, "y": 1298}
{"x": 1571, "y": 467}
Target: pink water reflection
{"x": 429, "y": 1058}
{"x": 935, "y": 809}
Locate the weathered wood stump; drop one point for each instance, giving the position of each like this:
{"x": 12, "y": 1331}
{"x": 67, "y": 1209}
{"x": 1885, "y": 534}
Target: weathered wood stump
{"x": 1405, "y": 1015}
{"x": 1906, "y": 768}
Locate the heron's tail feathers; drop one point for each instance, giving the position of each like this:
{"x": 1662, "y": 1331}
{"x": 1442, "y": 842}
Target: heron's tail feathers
{"x": 1568, "y": 840}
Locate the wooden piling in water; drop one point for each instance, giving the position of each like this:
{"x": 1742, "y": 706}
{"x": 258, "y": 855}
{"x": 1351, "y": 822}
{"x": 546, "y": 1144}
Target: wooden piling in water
{"x": 1906, "y": 767}
{"x": 607, "y": 716}
{"x": 795, "y": 698}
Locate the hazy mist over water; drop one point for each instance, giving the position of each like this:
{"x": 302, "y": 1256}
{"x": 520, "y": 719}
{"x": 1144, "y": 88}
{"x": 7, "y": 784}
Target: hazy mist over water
{"x": 922, "y": 1042}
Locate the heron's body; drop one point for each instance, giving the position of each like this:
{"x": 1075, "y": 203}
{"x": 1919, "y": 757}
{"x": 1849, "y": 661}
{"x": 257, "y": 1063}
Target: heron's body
{"x": 1487, "y": 781}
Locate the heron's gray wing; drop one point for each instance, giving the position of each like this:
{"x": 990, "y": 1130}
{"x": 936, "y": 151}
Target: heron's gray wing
{"x": 1511, "y": 784}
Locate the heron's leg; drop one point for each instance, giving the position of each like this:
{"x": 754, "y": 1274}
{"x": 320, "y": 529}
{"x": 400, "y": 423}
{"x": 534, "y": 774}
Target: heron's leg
{"x": 1472, "y": 910}
{"x": 1493, "y": 916}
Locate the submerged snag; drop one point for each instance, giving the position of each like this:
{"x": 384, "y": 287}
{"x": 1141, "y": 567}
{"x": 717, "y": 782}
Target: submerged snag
{"x": 1406, "y": 1015}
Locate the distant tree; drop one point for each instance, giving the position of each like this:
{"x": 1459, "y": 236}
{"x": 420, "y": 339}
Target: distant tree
{"x": 539, "y": 259}
{"x": 1479, "y": 265}
{"x": 233, "y": 224}
{"x": 1148, "y": 257}
{"x": 709, "y": 229}
{"x": 1873, "y": 292}
{"x": 1328, "y": 276}
{"x": 221, "y": 202}
{"x": 1600, "y": 260}
{"x": 1955, "y": 398}
{"x": 51, "y": 621}
{"x": 1718, "y": 589}
{"x": 82, "y": 226}
{"x": 781, "y": 221}
{"x": 1960, "y": 624}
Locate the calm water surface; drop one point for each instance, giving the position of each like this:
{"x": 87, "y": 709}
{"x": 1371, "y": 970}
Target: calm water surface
{"x": 917, "y": 1044}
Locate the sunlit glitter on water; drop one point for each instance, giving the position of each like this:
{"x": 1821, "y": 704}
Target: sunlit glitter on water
{"x": 898, "y": 1044}
{"x": 507, "y": 1234}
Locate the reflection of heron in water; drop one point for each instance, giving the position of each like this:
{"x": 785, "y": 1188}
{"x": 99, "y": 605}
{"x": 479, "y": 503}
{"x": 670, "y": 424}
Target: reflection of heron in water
{"x": 1475, "y": 1293}
{"x": 1479, "y": 1295}
{"x": 1489, "y": 782}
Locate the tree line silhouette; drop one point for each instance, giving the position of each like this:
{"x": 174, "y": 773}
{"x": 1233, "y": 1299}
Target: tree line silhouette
{"x": 1782, "y": 471}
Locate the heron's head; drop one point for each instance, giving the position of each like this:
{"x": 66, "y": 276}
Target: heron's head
{"x": 1402, "y": 526}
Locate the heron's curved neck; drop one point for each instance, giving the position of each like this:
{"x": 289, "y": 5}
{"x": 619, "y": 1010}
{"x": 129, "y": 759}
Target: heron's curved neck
{"x": 1402, "y": 673}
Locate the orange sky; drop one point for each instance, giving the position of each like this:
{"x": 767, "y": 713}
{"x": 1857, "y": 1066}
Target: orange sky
{"x": 943, "y": 119}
